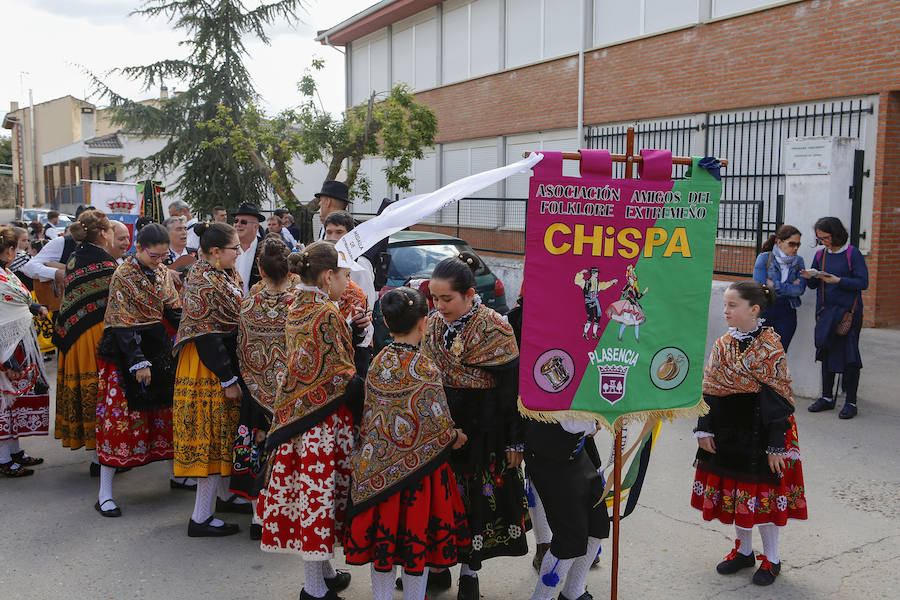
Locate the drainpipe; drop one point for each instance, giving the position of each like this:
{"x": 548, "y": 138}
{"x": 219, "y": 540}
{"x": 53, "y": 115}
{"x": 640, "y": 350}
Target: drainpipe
{"x": 34, "y": 168}
{"x": 580, "y": 138}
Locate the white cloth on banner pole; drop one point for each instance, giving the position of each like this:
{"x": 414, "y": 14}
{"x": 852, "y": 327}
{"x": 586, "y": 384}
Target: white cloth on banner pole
{"x": 115, "y": 197}
{"x": 412, "y": 210}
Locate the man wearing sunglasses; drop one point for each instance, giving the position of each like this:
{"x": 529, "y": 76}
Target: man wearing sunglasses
{"x": 246, "y": 222}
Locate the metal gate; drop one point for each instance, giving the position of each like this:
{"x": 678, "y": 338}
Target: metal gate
{"x": 752, "y": 141}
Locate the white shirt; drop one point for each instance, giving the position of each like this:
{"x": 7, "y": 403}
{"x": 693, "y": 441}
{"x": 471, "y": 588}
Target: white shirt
{"x": 288, "y": 238}
{"x": 193, "y": 240}
{"x": 244, "y": 264}
{"x": 365, "y": 279}
{"x": 54, "y": 232}
{"x": 52, "y": 252}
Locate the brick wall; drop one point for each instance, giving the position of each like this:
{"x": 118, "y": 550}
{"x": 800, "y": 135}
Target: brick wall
{"x": 800, "y": 52}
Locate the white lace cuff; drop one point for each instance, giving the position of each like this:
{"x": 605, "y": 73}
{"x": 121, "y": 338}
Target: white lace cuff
{"x": 230, "y": 382}
{"x": 139, "y": 366}
{"x": 703, "y": 434}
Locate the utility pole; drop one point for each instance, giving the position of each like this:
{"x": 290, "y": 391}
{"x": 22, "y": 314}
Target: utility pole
{"x": 34, "y": 167}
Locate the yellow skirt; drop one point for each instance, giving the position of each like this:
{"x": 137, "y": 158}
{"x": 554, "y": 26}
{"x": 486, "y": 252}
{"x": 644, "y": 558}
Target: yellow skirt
{"x": 205, "y": 422}
{"x": 76, "y": 392}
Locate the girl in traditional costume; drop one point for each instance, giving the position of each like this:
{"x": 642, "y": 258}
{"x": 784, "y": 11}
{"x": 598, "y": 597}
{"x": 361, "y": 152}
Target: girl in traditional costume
{"x": 24, "y": 398}
{"x": 79, "y": 327}
{"x": 304, "y": 503}
{"x": 405, "y": 508}
{"x": 748, "y": 464}
{"x": 207, "y": 382}
{"x": 262, "y": 356}
{"x": 475, "y": 350}
{"x": 628, "y": 311}
{"x": 135, "y": 368}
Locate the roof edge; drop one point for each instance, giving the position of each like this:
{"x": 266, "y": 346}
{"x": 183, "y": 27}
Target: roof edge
{"x": 371, "y": 19}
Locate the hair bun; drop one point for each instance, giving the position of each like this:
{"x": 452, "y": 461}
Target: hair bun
{"x": 201, "y": 227}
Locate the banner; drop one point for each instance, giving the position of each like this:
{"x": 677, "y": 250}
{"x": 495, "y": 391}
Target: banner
{"x": 114, "y": 197}
{"x": 412, "y": 210}
{"x": 617, "y": 281}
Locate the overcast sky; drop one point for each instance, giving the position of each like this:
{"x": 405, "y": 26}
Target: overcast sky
{"x": 53, "y": 41}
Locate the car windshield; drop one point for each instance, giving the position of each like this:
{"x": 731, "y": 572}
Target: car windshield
{"x": 407, "y": 261}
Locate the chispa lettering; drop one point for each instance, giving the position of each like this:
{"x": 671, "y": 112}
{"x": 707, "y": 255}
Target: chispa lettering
{"x": 600, "y": 240}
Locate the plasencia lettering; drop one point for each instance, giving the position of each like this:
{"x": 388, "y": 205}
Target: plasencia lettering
{"x": 628, "y": 242}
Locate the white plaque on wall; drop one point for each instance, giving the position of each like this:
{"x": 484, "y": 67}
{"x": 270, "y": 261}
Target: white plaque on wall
{"x": 807, "y": 156}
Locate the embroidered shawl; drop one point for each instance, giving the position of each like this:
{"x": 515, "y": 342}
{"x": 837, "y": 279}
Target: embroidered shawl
{"x": 729, "y": 371}
{"x": 211, "y": 303}
{"x": 17, "y": 336}
{"x": 486, "y": 340}
{"x": 406, "y": 426}
{"x": 88, "y": 274}
{"x": 320, "y": 366}
{"x": 353, "y": 296}
{"x": 262, "y": 343}
{"x": 135, "y": 301}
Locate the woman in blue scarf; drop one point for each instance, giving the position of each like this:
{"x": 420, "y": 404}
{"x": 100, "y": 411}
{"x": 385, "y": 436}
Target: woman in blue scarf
{"x": 779, "y": 266}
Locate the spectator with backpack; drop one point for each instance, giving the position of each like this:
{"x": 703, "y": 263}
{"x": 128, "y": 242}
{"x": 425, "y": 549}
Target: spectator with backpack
{"x": 778, "y": 266}
{"x": 839, "y": 275}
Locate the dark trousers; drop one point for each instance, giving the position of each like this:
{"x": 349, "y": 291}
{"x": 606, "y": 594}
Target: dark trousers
{"x": 849, "y": 382}
{"x": 783, "y": 319}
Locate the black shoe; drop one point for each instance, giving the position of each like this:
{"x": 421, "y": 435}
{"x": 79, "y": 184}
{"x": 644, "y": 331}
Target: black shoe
{"x": 109, "y": 512}
{"x": 26, "y": 461}
{"x": 468, "y": 588}
{"x": 585, "y": 596}
{"x": 329, "y": 596}
{"x": 848, "y": 412}
{"x": 339, "y": 582}
{"x": 178, "y": 485}
{"x": 735, "y": 561}
{"x": 767, "y": 572}
{"x": 256, "y": 533}
{"x": 14, "y": 469}
{"x": 539, "y": 553}
{"x": 207, "y": 529}
{"x": 230, "y": 506}
{"x": 821, "y": 404}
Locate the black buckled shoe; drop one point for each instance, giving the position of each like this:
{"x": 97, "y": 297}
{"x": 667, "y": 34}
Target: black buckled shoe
{"x": 820, "y": 405}
{"x": 767, "y": 572}
{"x": 207, "y": 529}
{"x": 848, "y": 412}
{"x": 468, "y": 588}
{"x": 735, "y": 561}
{"x": 230, "y": 506}
{"x": 329, "y": 596}
{"x": 340, "y": 581}
{"x": 181, "y": 484}
{"x": 14, "y": 469}
{"x": 256, "y": 533}
{"x": 115, "y": 511}
{"x": 585, "y": 596}
{"x": 25, "y": 460}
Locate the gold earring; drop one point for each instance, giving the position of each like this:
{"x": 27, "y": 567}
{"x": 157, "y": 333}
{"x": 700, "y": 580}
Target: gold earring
{"x": 329, "y": 289}
{"x": 218, "y": 265}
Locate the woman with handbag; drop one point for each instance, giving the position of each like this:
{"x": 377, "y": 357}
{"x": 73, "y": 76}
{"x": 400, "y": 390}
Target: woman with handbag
{"x": 778, "y": 266}
{"x": 839, "y": 275}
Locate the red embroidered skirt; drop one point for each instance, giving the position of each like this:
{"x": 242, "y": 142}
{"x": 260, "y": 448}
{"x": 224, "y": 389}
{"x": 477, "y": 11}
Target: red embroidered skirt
{"x": 421, "y": 526}
{"x": 746, "y": 504}
{"x": 28, "y": 415}
{"x": 128, "y": 438}
{"x": 304, "y": 503}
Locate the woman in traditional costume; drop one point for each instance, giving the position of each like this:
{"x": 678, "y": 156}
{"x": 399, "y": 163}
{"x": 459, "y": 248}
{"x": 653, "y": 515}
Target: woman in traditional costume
{"x": 475, "y": 350}
{"x": 842, "y": 276}
{"x": 262, "y": 355}
{"x": 405, "y": 509}
{"x": 24, "y": 398}
{"x": 628, "y": 311}
{"x": 79, "y": 327}
{"x": 303, "y": 505}
{"x": 748, "y": 464}
{"x": 136, "y": 371}
{"x": 207, "y": 381}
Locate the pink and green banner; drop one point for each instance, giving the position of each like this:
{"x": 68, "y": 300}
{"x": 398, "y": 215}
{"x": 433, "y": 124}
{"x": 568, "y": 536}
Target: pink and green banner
{"x": 617, "y": 283}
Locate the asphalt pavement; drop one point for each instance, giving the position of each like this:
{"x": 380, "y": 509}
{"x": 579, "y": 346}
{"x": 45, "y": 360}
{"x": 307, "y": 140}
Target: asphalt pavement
{"x": 54, "y": 545}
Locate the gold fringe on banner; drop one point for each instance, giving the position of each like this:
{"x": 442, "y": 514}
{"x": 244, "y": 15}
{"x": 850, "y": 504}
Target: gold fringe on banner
{"x": 555, "y": 416}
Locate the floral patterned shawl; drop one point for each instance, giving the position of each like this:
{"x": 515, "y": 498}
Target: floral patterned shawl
{"x": 211, "y": 303}
{"x": 135, "y": 301}
{"x": 730, "y": 371}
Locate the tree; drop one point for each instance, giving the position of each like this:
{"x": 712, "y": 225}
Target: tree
{"x": 390, "y": 124}
{"x": 217, "y": 78}
{"x": 5, "y": 150}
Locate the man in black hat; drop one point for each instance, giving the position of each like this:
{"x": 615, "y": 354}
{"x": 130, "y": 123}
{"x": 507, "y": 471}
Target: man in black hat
{"x": 335, "y": 195}
{"x": 246, "y": 222}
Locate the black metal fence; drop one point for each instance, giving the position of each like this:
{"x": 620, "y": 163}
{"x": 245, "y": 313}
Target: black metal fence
{"x": 675, "y": 135}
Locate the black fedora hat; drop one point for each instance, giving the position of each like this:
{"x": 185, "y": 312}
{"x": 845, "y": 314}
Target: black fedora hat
{"x": 250, "y": 209}
{"x": 335, "y": 189}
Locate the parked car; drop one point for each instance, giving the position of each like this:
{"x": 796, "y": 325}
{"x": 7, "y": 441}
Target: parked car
{"x": 414, "y": 255}
{"x": 40, "y": 215}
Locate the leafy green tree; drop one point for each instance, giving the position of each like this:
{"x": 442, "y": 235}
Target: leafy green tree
{"x": 217, "y": 78}
{"x": 390, "y": 124}
{"x": 5, "y": 150}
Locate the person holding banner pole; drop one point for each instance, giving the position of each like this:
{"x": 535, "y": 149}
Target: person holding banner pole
{"x": 748, "y": 463}
{"x": 476, "y": 351}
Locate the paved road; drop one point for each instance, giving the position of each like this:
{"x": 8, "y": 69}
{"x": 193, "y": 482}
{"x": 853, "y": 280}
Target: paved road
{"x": 54, "y": 545}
